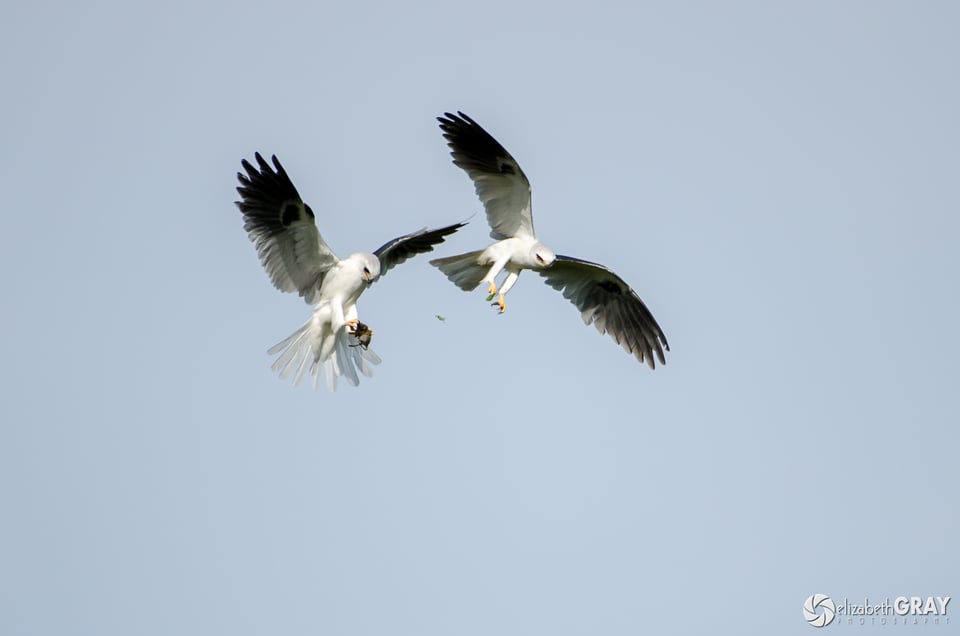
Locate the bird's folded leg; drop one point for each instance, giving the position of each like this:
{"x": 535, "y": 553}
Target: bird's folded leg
{"x": 508, "y": 283}
{"x": 491, "y": 291}
{"x": 491, "y": 276}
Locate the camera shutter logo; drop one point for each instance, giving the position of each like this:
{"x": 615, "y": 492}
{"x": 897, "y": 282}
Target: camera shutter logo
{"x": 819, "y": 610}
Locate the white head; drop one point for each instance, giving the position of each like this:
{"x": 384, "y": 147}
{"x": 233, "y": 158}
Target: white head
{"x": 367, "y": 265}
{"x": 541, "y": 255}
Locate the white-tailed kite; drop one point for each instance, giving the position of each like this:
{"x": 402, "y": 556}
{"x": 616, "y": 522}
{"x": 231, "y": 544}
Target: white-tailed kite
{"x": 602, "y": 297}
{"x": 297, "y": 259}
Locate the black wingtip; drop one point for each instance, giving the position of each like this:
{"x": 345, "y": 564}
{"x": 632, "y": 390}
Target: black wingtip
{"x": 264, "y": 188}
{"x": 450, "y": 122}
{"x": 450, "y": 229}
{"x": 460, "y": 115}
{"x": 262, "y": 167}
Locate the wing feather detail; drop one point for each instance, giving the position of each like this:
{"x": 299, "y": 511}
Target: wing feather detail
{"x": 500, "y": 183}
{"x": 606, "y": 301}
{"x": 282, "y": 228}
{"x": 399, "y": 250}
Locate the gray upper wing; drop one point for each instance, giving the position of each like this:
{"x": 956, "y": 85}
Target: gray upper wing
{"x": 282, "y": 228}
{"x": 604, "y": 299}
{"x": 398, "y": 250}
{"x": 497, "y": 177}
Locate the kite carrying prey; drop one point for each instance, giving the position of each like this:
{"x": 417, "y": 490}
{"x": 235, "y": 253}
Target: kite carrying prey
{"x": 297, "y": 259}
{"x": 602, "y": 297}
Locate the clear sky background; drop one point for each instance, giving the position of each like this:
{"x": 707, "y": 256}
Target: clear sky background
{"x": 780, "y": 182}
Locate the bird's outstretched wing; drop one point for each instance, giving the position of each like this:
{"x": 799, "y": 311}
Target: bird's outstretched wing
{"x": 497, "y": 177}
{"x": 398, "y": 250}
{"x": 282, "y": 228}
{"x": 604, "y": 299}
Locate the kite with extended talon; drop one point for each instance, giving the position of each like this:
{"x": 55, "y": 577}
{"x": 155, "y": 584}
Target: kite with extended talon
{"x": 297, "y": 259}
{"x": 602, "y": 297}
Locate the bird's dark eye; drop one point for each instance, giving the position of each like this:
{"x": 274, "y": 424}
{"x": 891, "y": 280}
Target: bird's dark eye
{"x": 539, "y": 259}
{"x": 366, "y": 271}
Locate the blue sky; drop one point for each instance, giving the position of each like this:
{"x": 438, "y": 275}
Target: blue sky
{"x": 778, "y": 183}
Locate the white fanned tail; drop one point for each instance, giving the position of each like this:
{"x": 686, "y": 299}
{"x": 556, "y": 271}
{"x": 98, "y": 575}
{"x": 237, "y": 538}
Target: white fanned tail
{"x": 464, "y": 270}
{"x": 314, "y": 345}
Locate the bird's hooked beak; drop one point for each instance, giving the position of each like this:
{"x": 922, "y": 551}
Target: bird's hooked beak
{"x": 544, "y": 263}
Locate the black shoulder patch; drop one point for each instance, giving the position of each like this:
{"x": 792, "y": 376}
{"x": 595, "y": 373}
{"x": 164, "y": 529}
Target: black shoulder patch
{"x": 610, "y": 287}
{"x": 291, "y": 213}
{"x": 506, "y": 168}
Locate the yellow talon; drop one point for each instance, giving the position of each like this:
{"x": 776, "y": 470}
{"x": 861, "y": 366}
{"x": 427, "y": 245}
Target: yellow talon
{"x": 352, "y": 325}
{"x": 493, "y": 289}
{"x": 499, "y": 303}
